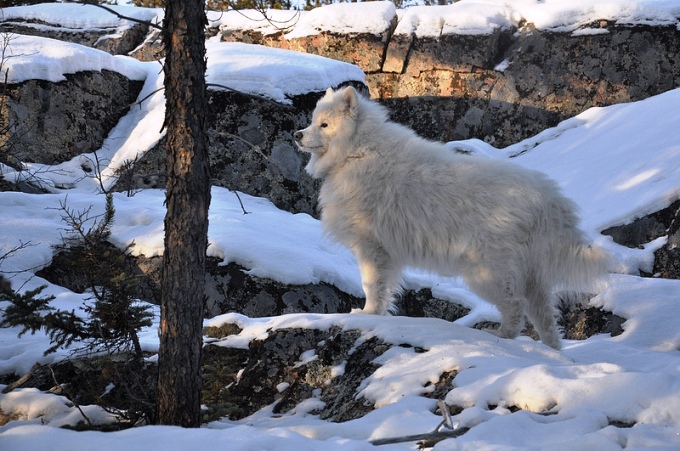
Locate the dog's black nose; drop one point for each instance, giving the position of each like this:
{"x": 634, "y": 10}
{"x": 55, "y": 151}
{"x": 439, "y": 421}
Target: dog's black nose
{"x": 297, "y": 135}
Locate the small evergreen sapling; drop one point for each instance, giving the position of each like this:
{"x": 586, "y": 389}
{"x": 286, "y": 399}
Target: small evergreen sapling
{"x": 111, "y": 323}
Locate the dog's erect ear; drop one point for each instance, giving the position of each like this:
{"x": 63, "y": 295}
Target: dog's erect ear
{"x": 329, "y": 93}
{"x": 350, "y": 98}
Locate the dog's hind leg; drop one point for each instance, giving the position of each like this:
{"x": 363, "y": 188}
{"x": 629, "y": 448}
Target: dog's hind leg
{"x": 502, "y": 292}
{"x": 512, "y": 317}
{"x": 379, "y": 279}
{"x": 542, "y": 314}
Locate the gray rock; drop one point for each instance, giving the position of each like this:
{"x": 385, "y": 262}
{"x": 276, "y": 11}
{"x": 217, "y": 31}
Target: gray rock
{"x": 51, "y": 123}
{"x": 277, "y": 360}
{"x": 643, "y": 230}
{"x": 251, "y": 149}
{"x": 667, "y": 259}
{"x": 230, "y": 289}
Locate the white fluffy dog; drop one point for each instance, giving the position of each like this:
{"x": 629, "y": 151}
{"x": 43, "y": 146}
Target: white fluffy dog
{"x": 398, "y": 200}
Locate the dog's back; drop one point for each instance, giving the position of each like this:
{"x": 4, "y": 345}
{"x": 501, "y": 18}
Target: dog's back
{"x": 429, "y": 207}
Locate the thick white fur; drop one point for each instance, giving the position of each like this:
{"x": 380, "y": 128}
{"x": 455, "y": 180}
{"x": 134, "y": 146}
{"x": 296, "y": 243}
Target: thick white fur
{"x": 398, "y": 200}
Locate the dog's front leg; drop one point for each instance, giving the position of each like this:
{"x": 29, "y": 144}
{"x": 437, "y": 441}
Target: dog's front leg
{"x": 379, "y": 279}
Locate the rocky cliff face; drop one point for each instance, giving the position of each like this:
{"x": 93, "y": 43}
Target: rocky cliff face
{"x": 500, "y": 87}
{"x": 505, "y": 86}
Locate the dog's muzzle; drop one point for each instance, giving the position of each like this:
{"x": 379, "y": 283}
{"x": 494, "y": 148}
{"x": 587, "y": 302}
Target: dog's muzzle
{"x": 298, "y": 135}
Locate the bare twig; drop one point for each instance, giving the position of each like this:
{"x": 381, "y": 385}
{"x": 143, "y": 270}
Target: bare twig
{"x": 239, "y": 201}
{"x": 15, "y": 249}
{"x": 98, "y": 172}
{"x": 121, "y": 16}
{"x": 70, "y": 396}
{"x": 446, "y": 414}
{"x": 214, "y": 85}
{"x": 427, "y": 439}
{"x": 256, "y": 148}
{"x": 445, "y": 430}
{"x": 143, "y": 410}
{"x": 145, "y": 98}
{"x": 33, "y": 175}
{"x": 274, "y": 23}
{"x": 22, "y": 245}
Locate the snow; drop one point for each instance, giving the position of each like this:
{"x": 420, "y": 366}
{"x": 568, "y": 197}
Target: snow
{"x": 642, "y": 168}
{"x": 369, "y": 18}
{"x": 471, "y": 17}
{"x": 618, "y": 163}
{"x": 252, "y": 20}
{"x": 372, "y": 18}
{"x": 638, "y": 160}
{"x": 79, "y": 16}
{"x": 33, "y": 58}
{"x": 459, "y": 18}
{"x": 274, "y": 73}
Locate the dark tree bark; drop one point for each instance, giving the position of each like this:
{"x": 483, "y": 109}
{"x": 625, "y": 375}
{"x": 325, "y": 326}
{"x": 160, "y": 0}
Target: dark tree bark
{"x": 186, "y": 221}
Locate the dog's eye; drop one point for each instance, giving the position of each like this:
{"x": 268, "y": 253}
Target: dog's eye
{"x": 324, "y": 125}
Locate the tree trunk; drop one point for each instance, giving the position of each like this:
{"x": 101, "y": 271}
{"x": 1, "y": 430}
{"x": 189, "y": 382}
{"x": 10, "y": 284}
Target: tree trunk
{"x": 186, "y": 221}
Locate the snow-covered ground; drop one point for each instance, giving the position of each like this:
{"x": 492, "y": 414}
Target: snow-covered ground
{"x": 618, "y": 163}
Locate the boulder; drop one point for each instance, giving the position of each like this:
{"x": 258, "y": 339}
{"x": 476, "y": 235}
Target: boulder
{"x": 667, "y": 259}
{"x": 228, "y": 287}
{"x": 273, "y": 370}
{"x": 664, "y": 223}
{"x": 512, "y": 84}
{"x": 366, "y": 50}
{"x": 51, "y": 123}
{"x": 115, "y": 40}
{"x": 251, "y": 149}
{"x": 502, "y": 87}
{"x": 151, "y": 48}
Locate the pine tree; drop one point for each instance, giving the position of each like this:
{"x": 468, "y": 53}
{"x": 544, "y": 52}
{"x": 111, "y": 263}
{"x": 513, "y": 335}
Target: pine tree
{"x": 186, "y": 220}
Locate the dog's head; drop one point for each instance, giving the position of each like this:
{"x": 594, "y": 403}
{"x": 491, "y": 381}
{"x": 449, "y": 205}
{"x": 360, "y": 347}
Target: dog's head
{"x": 328, "y": 137}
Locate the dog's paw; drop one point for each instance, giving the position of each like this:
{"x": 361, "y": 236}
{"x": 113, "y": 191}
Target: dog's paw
{"x": 357, "y": 310}
{"x": 491, "y": 331}
{"x": 497, "y": 333}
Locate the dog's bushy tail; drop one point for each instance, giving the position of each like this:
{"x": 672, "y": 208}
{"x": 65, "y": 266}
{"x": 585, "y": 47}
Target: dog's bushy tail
{"x": 581, "y": 267}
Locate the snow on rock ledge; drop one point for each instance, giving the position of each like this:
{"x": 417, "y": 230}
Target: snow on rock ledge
{"x": 82, "y": 24}
{"x": 35, "y": 58}
{"x": 274, "y": 73}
